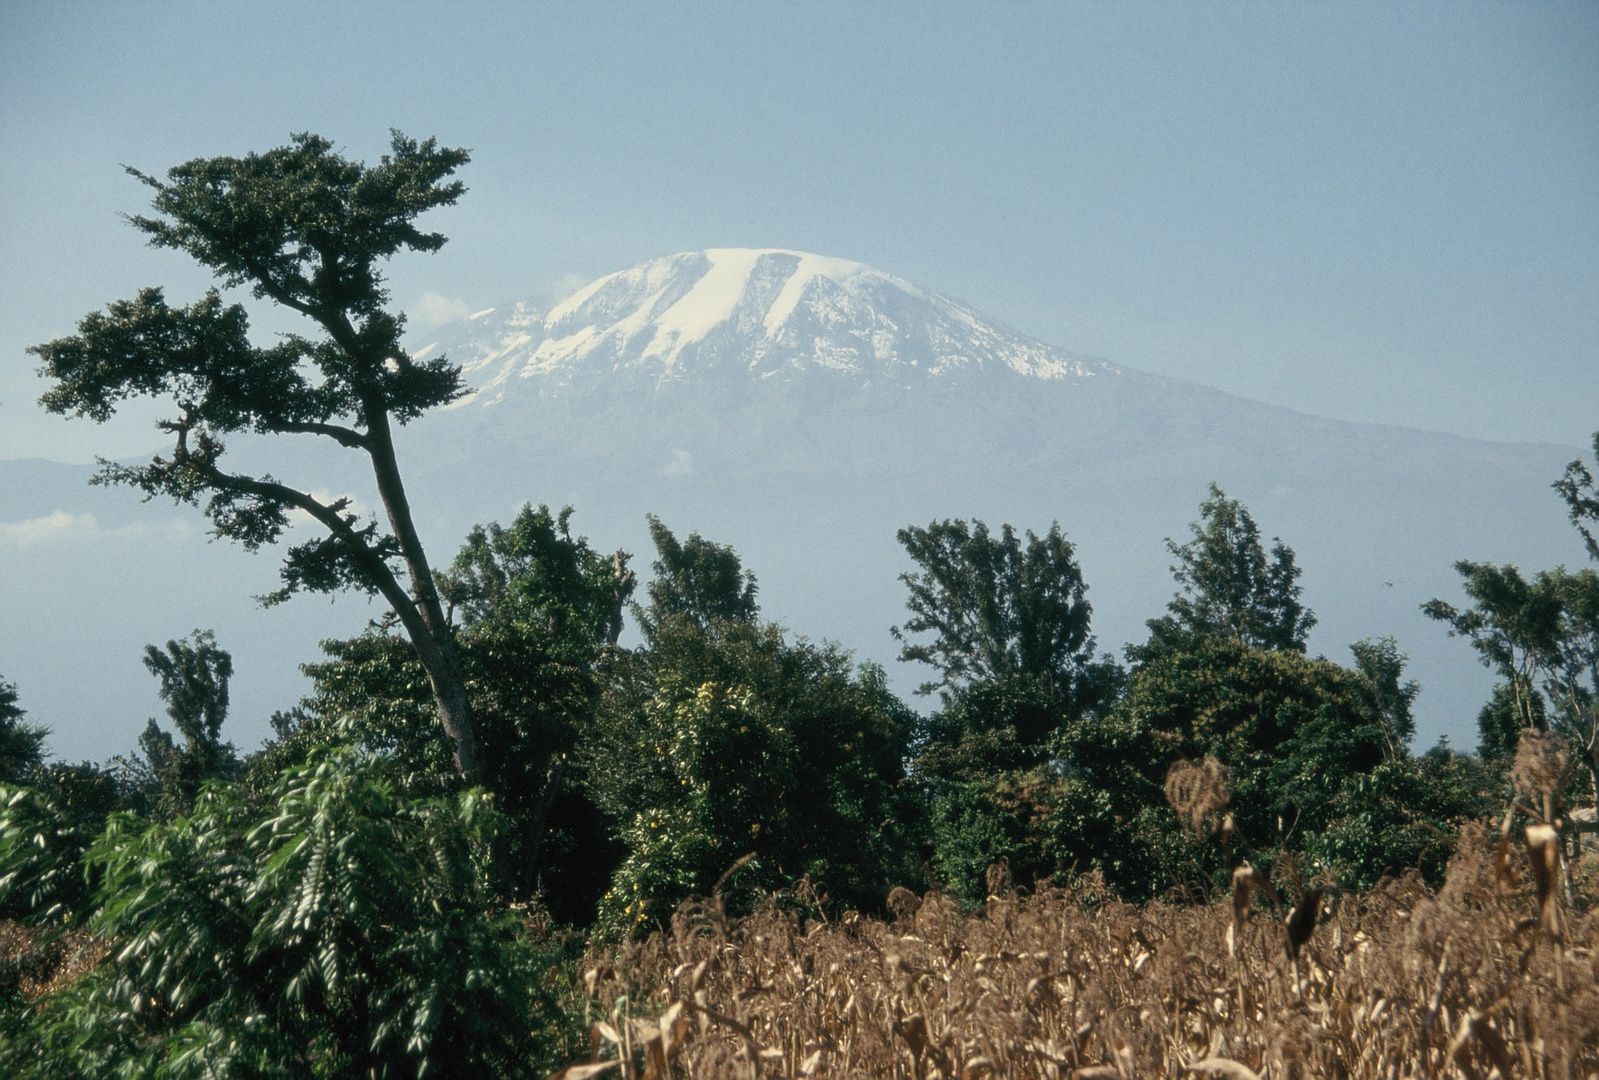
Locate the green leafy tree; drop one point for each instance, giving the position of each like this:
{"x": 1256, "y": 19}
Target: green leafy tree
{"x": 194, "y": 674}
{"x": 1540, "y": 635}
{"x": 345, "y": 933}
{"x": 1572, "y": 668}
{"x": 1404, "y": 814}
{"x": 1230, "y": 587}
{"x": 1005, "y": 625}
{"x": 721, "y": 738}
{"x": 1581, "y": 496}
{"x": 994, "y": 607}
{"x": 727, "y": 741}
{"x": 1383, "y": 665}
{"x": 305, "y": 228}
{"x": 46, "y": 826}
{"x": 1502, "y": 719}
{"x": 540, "y": 607}
{"x": 1513, "y": 623}
{"x": 41, "y": 855}
{"x": 1308, "y": 769}
{"x": 534, "y": 572}
{"x": 1291, "y": 728}
{"x": 21, "y": 743}
{"x": 697, "y": 580}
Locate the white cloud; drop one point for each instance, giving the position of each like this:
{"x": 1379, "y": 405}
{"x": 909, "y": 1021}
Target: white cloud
{"x": 56, "y": 526}
{"x": 61, "y": 527}
{"x": 299, "y": 519}
{"x": 569, "y": 283}
{"x": 436, "y": 309}
{"x": 682, "y": 464}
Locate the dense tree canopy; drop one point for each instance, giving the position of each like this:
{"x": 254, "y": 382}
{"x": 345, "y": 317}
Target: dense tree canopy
{"x": 994, "y": 607}
{"x": 536, "y": 573}
{"x": 1228, "y": 586}
{"x": 194, "y": 674}
{"x": 539, "y": 605}
{"x": 1383, "y": 666}
{"x": 721, "y": 738}
{"x": 21, "y": 743}
{"x": 697, "y": 580}
{"x": 1005, "y": 624}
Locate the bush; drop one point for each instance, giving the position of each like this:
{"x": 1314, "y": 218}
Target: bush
{"x": 346, "y": 932}
{"x": 725, "y": 739}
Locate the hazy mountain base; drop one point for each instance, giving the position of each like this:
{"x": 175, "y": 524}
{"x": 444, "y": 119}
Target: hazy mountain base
{"x": 808, "y": 477}
{"x": 810, "y": 484}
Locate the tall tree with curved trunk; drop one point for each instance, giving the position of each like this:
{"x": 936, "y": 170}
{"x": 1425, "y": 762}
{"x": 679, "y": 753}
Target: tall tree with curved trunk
{"x": 305, "y": 228}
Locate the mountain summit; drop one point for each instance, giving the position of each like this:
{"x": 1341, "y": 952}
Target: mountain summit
{"x": 804, "y": 409}
{"x": 772, "y": 313}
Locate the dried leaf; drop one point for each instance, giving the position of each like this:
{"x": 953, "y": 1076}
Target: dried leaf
{"x": 1220, "y": 1066}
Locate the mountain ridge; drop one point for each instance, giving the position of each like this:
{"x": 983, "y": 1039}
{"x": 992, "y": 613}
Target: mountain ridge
{"x": 802, "y": 412}
{"x": 774, "y": 312}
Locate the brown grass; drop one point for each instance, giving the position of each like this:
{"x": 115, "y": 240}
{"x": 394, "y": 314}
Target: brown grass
{"x": 1200, "y": 794}
{"x": 1397, "y": 982}
{"x": 37, "y": 961}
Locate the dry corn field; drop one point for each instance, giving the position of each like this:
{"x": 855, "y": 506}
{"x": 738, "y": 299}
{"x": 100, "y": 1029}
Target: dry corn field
{"x": 1491, "y": 976}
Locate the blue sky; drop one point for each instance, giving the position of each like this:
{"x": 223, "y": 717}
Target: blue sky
{"x": 1384, "y": 213}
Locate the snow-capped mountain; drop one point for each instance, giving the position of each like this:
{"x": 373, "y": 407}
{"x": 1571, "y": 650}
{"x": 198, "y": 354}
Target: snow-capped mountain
{"x": 802, "y": 409}
{"x": 771, "y": 313}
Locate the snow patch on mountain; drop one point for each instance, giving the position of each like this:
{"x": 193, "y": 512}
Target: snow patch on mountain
{"x": 769, "y": 312}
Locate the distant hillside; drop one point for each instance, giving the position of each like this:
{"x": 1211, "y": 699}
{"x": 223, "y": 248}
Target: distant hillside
{"x": 801, "y": 408}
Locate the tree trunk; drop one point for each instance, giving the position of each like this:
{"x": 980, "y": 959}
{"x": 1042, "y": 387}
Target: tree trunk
{"x": 455, "y": 711}
{"x": 541, "y": 822}
{"x": 435, "y": 646}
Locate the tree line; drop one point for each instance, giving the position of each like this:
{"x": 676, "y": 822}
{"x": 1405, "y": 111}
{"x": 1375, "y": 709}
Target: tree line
{"x": 362, "y": 894}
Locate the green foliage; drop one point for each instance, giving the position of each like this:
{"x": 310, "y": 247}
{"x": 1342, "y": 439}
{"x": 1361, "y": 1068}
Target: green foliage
{"x": 1513, "y": 623}
{"x": 41, "y": 852}
{"x": 1545, "y": 628}
{"x": 723, "y": 740}
{"x": 697, "y": 580}
{"x": 1581, "y": 497}
{"x": 1008, "y": 627}
{"x": 1571, "y": 667}
{"x": 345, "y": 933}
{"x": 535, "y": 573}
{"x": 1293, "y": 730}
{"x": 529, "y": 707}
{"x": 1383, "y": 666}
{"x": 986, "y": 728}
{"x": 1229, "y": 587}
{"x": 994, "y": 608}
{"x": 1404, "y": 814}
{"x": 21, "y": 743}
{"x": 1289, "y": 726}
{"x": 1504, "y": 716}
{"x": 1541, "y": 636}
{"x": 194, "y": 674}
{"x": 540, "y": 607}
{"x": 306, "y": 229}
{"x": 45, "y": 828}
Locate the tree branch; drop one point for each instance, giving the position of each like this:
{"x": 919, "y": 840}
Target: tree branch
{"x": 330, "y": 515}
{"x": 344, "y": 436}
